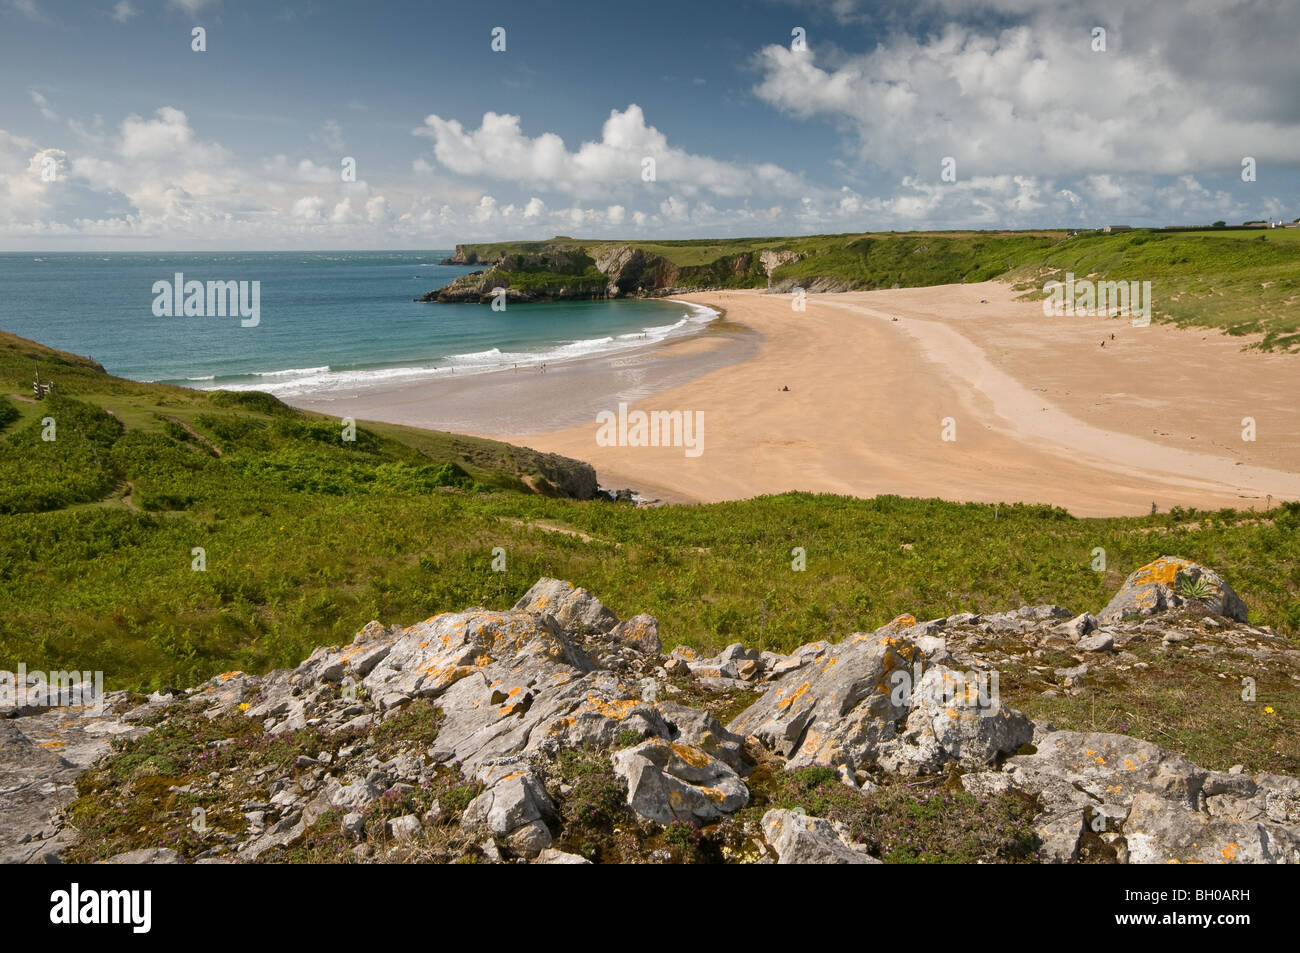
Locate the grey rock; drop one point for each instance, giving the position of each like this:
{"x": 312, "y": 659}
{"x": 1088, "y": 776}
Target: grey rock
{"x": 951, "y": 722}
{"x": 552, "y": 856}
{"x": 405, "y": 828}
{"x": 1161, "y": 585}
{"x": 837, "y": 710}
{"x": 694, "y": 726}
{"x": 1077, "y": 627}
{"x": 800, "y": 839}
{"x": 515, "y": 804}
{"x": 1157, "y": 834}
{"x": 1101, "y": 767}
{"x": 1101, "y": 642}
{"x": 575, "y": 609}
{"x": 670, "y": 781}
{"x": 147, "y": 855}
{"x": 529, "y": 840}
{"x": 641, "y": 632}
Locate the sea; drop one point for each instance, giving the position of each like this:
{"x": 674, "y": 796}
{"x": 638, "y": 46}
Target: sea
{"x": 328, "y": 323}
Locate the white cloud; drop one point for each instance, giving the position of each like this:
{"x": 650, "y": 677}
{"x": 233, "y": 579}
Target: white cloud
{"x": 487, "y": 207}
{"x": 499, "y": 149}
{"x": 309, "y": 208}
{"x": 123, "y": 11}
{"x": 167, "y": 136}
{"x": 1036, "y": 99}
{"x": 43, "y": 105}
{"x": 377, "y": 210}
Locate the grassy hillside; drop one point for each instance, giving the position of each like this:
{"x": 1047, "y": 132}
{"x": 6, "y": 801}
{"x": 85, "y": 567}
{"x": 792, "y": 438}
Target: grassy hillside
{"x": 1245, "y": 282}
{"x": 1242, "y": 282}
{"x": 307, "y": 537}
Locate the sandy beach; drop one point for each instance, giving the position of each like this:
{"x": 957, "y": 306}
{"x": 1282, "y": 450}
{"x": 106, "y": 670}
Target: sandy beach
{"x": 1038, "y": 411}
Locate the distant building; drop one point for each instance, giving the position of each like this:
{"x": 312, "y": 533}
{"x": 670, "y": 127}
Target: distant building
{"x": 1118, "y": 228}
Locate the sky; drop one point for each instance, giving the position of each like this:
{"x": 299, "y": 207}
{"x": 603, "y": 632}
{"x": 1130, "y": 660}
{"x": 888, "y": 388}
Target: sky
{"x": 392, "y": 124}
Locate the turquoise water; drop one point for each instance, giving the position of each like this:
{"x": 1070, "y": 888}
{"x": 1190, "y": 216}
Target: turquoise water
{"x": 329, "y": 322}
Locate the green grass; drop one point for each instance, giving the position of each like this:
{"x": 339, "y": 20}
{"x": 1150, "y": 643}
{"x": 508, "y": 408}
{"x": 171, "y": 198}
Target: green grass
{"x": 306, "y": 538}
{"x": 1246, "y": 283}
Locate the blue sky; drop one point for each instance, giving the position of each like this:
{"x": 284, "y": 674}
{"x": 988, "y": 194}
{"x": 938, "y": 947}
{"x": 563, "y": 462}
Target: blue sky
{"x": 116, "y": 134}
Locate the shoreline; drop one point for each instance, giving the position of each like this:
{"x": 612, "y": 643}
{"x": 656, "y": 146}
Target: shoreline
{"x": 1041, "y": 413}
{"x": 500, "y": 403}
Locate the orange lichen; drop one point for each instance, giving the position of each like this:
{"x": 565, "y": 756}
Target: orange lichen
{"x": 1164, "y": 571}
{"x": 691, "y": 755}
{"x": 617, "y": 710}
{"x": 786, "y": 702}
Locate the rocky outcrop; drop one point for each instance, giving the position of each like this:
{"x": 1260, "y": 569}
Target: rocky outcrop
{"x": 871, "y": 703}
{"x": 817, "y": 284}
{"x": 561, "y": 270}
{"x": 506, "y": 735}
{"x": 1172, "y": 583}
{"x": 1148, "y": 804}
{"x": 635, "y": 272}
{"x": 555, "y": 273}
{"x": 469, "y": 255}
{"x": 42, "y": 752}
{"x": 772, "y": 259}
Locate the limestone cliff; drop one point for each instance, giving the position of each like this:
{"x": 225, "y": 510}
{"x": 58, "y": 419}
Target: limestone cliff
{"x": 563, "y": 270}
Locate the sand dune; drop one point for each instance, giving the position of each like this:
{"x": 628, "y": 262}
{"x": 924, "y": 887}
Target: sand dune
{"x": 1041, "y": 412}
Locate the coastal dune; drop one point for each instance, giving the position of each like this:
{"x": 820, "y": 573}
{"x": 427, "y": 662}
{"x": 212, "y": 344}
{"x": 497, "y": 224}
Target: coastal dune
{"x": 1037, "y": 409}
